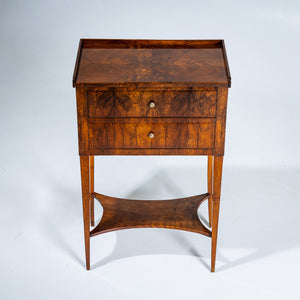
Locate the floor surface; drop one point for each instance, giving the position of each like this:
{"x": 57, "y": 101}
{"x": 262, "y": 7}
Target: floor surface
{"x": 258, "y": 248}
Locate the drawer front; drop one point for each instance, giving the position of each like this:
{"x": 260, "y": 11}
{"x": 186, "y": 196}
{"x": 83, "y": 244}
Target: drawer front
{"x": 135, "y": 135}
{"x": 151, "y": 103}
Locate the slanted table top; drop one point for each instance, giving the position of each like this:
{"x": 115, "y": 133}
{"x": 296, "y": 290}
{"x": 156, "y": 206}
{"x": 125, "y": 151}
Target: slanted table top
{"x": 200, "y": 63}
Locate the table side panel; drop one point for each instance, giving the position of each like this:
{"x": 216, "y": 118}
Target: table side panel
{"x": 82, "y": 120}
{"x": 221, "y": 121}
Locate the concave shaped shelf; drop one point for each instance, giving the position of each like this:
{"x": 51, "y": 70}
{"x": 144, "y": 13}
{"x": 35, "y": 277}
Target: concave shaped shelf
{"x": 173, "y": 214}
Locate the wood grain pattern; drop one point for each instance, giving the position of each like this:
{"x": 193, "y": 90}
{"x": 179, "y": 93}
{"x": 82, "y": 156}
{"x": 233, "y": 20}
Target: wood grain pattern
{"x": 146, "y": 151}
{"x": 136, "y": 135}
{"x": 82, "y": 112}
{"x": 136, "y": 103}
{"x": 221, "y": 121}
{"x": 174, "y": 214}
{"x": 153, "y": 62}
{"x": 152, "y": 65}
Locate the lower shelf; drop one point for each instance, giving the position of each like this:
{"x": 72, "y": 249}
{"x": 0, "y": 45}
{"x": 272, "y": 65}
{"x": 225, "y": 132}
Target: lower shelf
{"x": 174, "y": 214}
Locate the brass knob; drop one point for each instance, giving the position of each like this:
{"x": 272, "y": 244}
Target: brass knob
{"x": 151, "y": 135}
{"x": 151, "y": 104}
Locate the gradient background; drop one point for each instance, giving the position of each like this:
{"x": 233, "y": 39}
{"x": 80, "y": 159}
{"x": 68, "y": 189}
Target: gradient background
{"x": 42, "y": 248}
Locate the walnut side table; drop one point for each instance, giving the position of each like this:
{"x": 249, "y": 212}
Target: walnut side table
{"x": 151, "y": 97}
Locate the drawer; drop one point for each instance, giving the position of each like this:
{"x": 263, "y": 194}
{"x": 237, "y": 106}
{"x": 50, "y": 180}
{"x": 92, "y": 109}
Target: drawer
{"x": 152, "y": 103}
{"x": 147, "y": 134}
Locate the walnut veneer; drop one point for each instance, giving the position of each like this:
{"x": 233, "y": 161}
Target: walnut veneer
{"x": 151, "y": 97}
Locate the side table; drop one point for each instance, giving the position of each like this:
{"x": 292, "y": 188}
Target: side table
{"x": 151, "y": 97}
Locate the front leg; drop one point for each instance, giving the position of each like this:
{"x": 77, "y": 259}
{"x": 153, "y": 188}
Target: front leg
{"x": 84, "y": 166}
{"x": 217, "y": 178}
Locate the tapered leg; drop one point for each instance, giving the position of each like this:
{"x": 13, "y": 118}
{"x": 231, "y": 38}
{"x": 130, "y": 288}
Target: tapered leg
{"x": 92, "y": 189}
{"x": 84, "y": 165}
{"x": 209, "y": 186}
{"x": 217, "y": 178}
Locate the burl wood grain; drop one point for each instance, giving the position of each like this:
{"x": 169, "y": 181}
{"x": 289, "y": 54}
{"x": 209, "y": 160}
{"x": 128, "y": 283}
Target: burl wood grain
{"x": 173, "y": 214}
{"x": 135, "y": 134}
{"x": 152, "y": 65}
{"x": 166, "y": 103}
{"x": 154, "y": 62}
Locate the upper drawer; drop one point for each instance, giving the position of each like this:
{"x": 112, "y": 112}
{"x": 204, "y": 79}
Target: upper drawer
{"x": 152, "y": 103}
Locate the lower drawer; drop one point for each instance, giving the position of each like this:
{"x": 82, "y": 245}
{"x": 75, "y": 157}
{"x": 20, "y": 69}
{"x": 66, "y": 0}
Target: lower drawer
{"x": 137, "y": 134}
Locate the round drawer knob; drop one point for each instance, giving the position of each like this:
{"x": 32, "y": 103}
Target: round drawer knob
{"x": 151, "y": 104}
{"x": 151, "y": 135}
